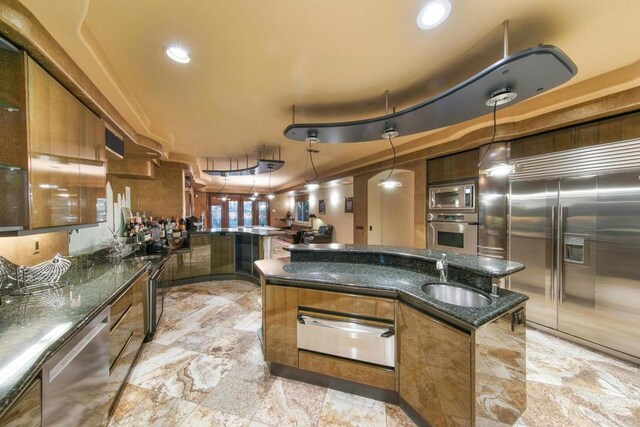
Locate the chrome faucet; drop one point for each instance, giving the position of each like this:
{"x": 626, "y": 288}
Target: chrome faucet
{"x": 443, "y": 267}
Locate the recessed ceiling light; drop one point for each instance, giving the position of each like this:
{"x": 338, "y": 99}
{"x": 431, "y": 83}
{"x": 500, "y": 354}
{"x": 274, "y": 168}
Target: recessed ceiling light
{"x": 178, "y": 54}
{"x": 433, "y": 14}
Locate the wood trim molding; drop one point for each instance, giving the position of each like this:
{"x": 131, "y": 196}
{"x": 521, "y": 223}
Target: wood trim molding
{"x": 21, "y": 27}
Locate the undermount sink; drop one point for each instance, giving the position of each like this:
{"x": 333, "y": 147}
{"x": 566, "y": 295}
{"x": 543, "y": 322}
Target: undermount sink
{"x": 455, "y": 295}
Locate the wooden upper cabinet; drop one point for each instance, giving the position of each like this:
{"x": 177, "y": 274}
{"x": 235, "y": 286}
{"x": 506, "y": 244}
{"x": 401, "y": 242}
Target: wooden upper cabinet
{"x": 453, "y": 167}
{"x": 67, "y": 169}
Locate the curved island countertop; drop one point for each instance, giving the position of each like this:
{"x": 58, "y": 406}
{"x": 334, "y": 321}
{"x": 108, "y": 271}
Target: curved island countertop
{"x": 341, "y": 274}
{"x": 485, "y": 266}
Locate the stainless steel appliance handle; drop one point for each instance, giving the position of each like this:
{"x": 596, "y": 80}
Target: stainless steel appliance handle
{"x": 554, "y": 267}
{"x": 75, "y": 351}
{"x": 346, "y": 326}
{"x": 559, "y": 254}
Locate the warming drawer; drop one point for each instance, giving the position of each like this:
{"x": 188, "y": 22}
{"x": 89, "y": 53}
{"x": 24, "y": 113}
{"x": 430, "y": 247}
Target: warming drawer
{"x": 356, "y": 339}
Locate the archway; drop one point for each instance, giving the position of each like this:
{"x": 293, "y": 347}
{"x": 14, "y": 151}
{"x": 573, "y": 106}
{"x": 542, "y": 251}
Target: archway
{"x": 390, "y": 211}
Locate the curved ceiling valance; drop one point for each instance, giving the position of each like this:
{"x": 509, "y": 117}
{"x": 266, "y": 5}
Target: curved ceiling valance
{"x": 526, "y": 73}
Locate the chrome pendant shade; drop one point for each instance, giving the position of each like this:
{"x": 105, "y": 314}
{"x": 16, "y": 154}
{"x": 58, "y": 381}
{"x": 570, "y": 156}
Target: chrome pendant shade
{"x": 524, "y": 74}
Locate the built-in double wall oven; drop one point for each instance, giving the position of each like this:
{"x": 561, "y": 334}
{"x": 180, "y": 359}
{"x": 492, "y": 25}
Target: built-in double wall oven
{"x": 452, "y": 221}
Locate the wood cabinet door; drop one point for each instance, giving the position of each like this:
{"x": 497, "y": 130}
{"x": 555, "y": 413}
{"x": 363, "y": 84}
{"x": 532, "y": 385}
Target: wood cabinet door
{"x": 200, "y": 256}
{"x": 222, "y": 254}
{"x": 280, "y": 324}
{"x": 53, "y": 150}
{"x": 93, "y": 168}
{"x": 26, "y": 411}
{"x": 434, "y": 365}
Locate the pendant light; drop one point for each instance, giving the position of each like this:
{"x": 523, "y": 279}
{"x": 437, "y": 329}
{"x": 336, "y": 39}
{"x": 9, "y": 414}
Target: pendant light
{"x": 311, "y": 184}
{"x": 223, "y": 198}
{"x": 498, "y": 97}
{"x": 270, "y": 194}
{"x": 254, "y": 195}
{"x": 388, "y": 182}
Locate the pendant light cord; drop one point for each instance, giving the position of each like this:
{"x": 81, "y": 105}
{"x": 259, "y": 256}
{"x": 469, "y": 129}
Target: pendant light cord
{"x": 493, "y": 137}
{"x": 312, "y": 164}
{"x": 269, "y": 182}
{"x": 221, "y": 188}
{"x": 393, "y": 164}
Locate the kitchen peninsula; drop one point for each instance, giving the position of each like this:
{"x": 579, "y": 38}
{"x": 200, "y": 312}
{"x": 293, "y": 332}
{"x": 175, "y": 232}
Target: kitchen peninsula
{"x": 223, "y": 253}
{"x": 360, "y": 319}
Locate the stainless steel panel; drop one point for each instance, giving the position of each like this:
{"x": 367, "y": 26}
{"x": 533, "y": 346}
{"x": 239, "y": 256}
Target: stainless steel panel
{"x": 612, "y": 317}
{"x": 75, "y": 379}
{"x": 349, "y": 338}
{"x": 453, "y": 197}
{"x": 576, "y": 281}
{"x": 453, "y": 236}
{"x": 599, "y": 159}
{"x": 531, "y": 241}
{"x": 492, "y": 211}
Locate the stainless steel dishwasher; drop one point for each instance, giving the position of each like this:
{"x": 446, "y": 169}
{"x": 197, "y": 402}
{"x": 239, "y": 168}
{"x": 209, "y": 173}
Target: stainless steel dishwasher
{"x": 75, "y": 378}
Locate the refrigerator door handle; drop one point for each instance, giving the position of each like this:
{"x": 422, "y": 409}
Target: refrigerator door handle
{"x": 560, "y": 254}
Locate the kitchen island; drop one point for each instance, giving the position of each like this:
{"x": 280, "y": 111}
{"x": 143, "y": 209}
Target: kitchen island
{"x": 357, "y": 318}
{"x": 223, "y": 253}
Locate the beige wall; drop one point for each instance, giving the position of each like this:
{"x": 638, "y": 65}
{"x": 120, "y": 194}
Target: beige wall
{"x": 334, "y": 202}
{"x": 335, "y": 215}
{"x": 19, "y": 250}
{"x": 361, "y": 220}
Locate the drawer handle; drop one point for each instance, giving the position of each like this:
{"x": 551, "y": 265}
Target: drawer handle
{"x": 126, "y": 312}
{"x": 345, "y": 325}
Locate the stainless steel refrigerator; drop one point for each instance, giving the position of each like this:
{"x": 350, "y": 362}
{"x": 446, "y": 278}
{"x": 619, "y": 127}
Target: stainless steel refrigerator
{"x": 579, "y": 238}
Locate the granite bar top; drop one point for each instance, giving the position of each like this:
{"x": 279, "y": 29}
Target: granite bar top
{"x": 485, "y": 266}
{"x": 259, "y": 231}
{"x": 404, "y": 284}
{"x": 33, "y": 327}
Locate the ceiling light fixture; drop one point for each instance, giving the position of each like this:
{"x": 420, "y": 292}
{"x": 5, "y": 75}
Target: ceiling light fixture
{"x": 312, "y": 186}
{"x": 178, "y": 54}
{"x": 433, "y": 14}
{"x": 516, "y": 72}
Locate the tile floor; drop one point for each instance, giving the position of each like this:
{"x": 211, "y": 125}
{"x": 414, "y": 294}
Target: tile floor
{"x": 205, "y": 368}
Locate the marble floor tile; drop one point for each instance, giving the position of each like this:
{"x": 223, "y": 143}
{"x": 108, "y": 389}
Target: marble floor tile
{"x": 343, "y": 409}
{"x": 142, "y": 407}
{"x": 396, "y": 417}
{"x": 241, "y": 391}
{"x": 195, "y": 380}
{"x": 291, "y": 403}
{"x": 252, "y": 322}
{"x": 203, "y": 416}
{"x": 205, "y": 368}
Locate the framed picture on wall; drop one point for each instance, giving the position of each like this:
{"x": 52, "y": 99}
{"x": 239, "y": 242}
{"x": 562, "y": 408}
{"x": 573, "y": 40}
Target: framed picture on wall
{"x": 322, "y": 207}
{"x": 348, "y": 204}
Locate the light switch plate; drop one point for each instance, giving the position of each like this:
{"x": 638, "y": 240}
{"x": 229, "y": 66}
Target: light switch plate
{"x": 36, "y": 246}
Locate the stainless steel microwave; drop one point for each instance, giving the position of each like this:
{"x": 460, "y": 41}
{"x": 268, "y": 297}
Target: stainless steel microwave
{"x": 459, "y": 197}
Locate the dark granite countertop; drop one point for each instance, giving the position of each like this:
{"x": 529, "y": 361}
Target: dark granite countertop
{"x": 476, "y": 264}
{"x": 381, "y": 280}
{"x": 32, "y": 328}
{"x": 259, "y": 231}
